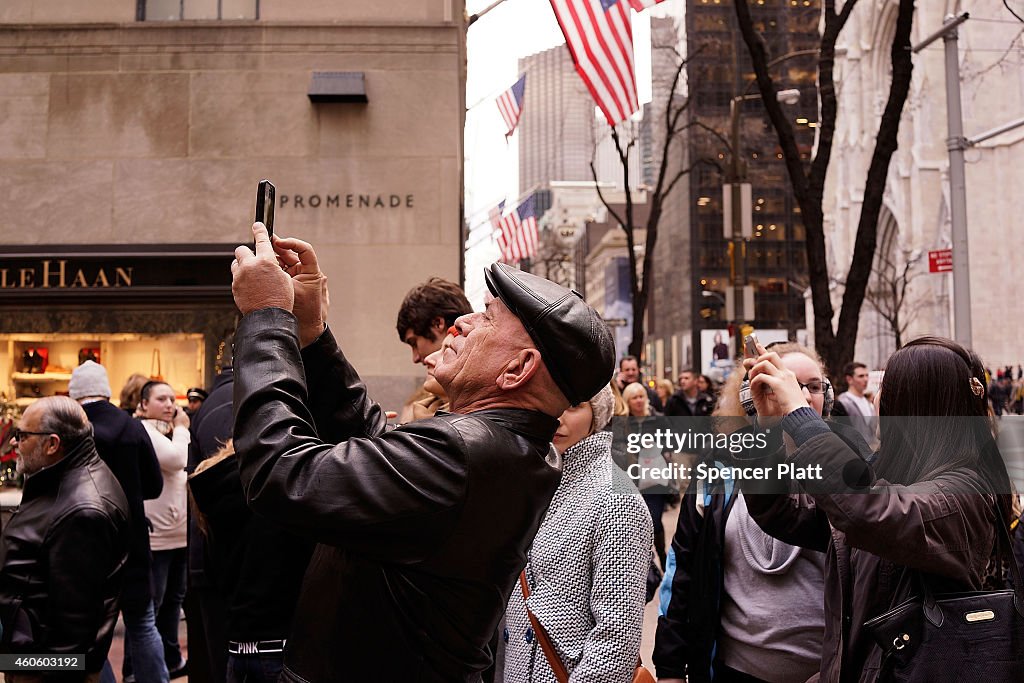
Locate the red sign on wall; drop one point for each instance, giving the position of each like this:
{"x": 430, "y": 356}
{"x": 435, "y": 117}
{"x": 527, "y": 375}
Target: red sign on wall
{"x": 940, "y": 261}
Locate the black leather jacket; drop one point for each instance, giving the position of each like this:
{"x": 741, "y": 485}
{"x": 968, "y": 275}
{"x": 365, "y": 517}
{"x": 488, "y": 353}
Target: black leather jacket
{"x": 62, "y": 559}
{"x": 422, "y": 530}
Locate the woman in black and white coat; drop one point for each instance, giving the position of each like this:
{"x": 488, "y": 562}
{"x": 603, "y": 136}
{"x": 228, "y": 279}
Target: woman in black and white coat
{"x": 587, "y": 568}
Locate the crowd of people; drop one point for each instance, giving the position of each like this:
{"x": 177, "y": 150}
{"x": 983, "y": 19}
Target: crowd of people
{"x": 490, "y": 529}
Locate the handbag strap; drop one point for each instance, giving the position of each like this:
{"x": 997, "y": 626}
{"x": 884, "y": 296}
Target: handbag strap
{"x": 554, "y": 661}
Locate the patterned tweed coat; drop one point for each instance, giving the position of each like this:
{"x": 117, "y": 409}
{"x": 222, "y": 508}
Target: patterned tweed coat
{"x": 587, "y": 572}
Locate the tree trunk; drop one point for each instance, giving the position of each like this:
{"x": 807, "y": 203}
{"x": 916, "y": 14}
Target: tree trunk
{"x": 886, "y": 143}
{"x": 835, "y": 347}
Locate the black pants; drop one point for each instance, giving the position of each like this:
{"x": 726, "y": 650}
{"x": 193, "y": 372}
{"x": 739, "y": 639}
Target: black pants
{"x": 724, "y": 674}
{"x": 656, "y": 504}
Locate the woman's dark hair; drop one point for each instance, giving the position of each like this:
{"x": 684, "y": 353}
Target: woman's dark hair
{"x": 147, "y": 389}
{"x": 928, "y": 379}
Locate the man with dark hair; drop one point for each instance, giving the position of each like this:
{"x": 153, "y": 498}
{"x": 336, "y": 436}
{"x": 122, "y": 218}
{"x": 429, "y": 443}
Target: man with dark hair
{"x": 689, "y": 401}
{"x": 422, "y": 529}
{"x": 62, "y": 556}
{"x": 426, "y": 312}
{"x": 629, "y": 372}
{"x": 125, "y": 447}
{"x": 859, "y": 411}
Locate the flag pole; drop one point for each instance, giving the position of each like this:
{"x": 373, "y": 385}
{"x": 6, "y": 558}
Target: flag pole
{"x": 474, "y": 17}
{"x": 494, "y": 95}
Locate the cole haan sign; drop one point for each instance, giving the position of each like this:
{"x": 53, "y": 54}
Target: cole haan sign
{"x": 55, "y": 273}
{"x": 132, "y": 271}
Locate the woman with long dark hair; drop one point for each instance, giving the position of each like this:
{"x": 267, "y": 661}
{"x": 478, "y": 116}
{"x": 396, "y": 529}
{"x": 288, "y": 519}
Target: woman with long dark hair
{"x": 925, "y": 509}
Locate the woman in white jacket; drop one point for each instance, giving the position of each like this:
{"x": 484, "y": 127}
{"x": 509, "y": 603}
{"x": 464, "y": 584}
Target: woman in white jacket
{"x": 587, "y": 568}
{"x": 167, "y": 425}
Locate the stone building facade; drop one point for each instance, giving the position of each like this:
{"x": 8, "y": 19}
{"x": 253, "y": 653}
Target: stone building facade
{"x": 916, "y": 215}
{"x": 138, "y": 129}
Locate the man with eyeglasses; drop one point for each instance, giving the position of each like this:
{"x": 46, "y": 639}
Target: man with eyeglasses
{"x": 63, "y": 552}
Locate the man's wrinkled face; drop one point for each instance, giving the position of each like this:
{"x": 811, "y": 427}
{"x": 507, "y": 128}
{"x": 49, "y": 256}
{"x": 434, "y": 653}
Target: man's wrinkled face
{"x": 630, "y": 371}
{"x": 472, "y": 360}
{"x": 858, "y": 380}
{"x": 422, "y": 346}
{"x": 430, "y": 383}
{"x": 32, "y": 449}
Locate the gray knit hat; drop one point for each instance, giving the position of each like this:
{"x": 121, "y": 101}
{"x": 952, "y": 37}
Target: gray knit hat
{"x": 89, "y": 379}
{"x": 602, "y": 405}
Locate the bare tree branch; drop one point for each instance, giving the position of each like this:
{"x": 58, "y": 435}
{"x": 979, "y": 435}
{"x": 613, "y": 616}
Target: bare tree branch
{"x": 600, "y": 195}
{"x": 886, "y": 143}
{"x": 836, "y": 346}
{"x": 673, "y": 123}
{"x": 709, "y": 129}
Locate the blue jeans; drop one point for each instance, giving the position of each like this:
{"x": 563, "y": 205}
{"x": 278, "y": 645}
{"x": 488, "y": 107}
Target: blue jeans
{"x": 255, "y": 668}
{"x": 170, "y": 576}
{"x": 143, "y": 641}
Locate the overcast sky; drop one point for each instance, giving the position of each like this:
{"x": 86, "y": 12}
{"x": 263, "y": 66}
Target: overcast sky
{"x": 514, "y": 29}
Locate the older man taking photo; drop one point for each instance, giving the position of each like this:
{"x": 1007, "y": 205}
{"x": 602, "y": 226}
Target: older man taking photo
{"x": 424, "y": 528}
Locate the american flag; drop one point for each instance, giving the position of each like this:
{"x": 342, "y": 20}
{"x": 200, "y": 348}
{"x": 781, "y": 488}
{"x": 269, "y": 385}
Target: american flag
{"x": 641, "y": 5}
{"x": 510, "y": 104}
{"x": 599, "y": 34}
{"x": 517, "y": 232}
{"x": 494, "y": 216}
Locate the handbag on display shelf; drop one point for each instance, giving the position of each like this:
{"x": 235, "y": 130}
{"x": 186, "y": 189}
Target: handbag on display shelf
{"x": 86, "y": 353}
{"x": 154, "y": 367}
{"x": 641, "y": 675}
{"x": 973, "y": 636}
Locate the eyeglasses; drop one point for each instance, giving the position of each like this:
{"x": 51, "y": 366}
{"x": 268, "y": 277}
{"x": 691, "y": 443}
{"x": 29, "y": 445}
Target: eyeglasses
{"x": 815, "y": 386}
{"x": 19, "y": 434}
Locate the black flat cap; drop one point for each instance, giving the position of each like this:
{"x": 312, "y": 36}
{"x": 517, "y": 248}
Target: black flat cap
{"x": 196, "y": 392}
{"x": 574, "y": 341}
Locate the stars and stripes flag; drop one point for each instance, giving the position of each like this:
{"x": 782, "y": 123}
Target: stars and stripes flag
{"x": 510, "y": 104}
{"x": 641, "y": 5}
{"x": 517, "y": 232}
{"x": 494, "y": 216}
{"x": 599, "y": 34}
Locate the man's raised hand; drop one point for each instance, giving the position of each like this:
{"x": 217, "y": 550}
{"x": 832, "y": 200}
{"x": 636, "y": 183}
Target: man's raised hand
{"x": 309, "y": 285}
{"x": 257, "y": 280}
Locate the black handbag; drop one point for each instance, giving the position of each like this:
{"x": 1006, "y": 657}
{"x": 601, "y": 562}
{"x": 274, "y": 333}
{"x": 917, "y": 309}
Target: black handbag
{"x": 976, "y": 636}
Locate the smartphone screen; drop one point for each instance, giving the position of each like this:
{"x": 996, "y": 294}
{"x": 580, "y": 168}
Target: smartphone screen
{"x": 265, "y": 205}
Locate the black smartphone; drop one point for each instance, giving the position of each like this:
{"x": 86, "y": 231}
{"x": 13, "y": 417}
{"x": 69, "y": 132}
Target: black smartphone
{"x": 265, "y": 206}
